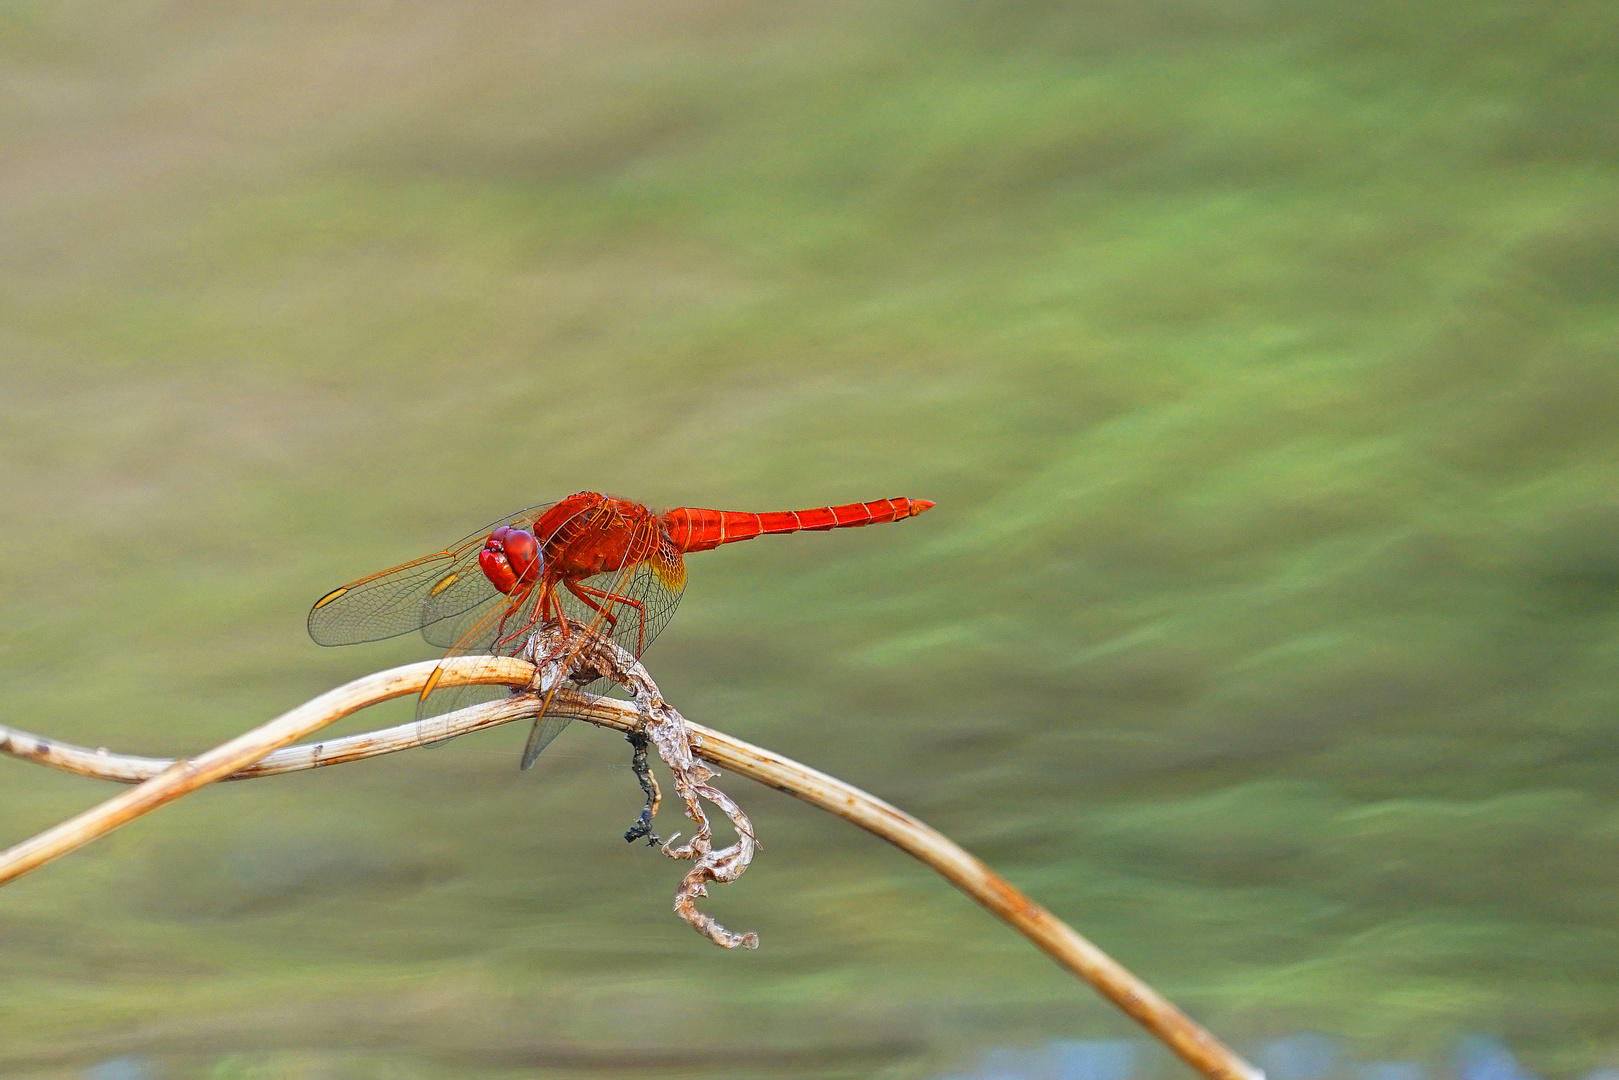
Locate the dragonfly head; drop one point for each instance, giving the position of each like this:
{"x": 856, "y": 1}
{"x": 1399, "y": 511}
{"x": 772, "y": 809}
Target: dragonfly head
{"x": 511, "y": 558}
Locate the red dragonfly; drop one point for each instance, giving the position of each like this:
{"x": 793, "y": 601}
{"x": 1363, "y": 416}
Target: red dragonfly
{"x": 589, "y": 564}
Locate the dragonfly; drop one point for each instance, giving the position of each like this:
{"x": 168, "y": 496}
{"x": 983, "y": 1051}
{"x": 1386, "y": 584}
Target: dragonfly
{"x": 589, "y": 565}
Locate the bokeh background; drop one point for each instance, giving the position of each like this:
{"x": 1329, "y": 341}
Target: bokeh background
{"x": 1260, "y": 355}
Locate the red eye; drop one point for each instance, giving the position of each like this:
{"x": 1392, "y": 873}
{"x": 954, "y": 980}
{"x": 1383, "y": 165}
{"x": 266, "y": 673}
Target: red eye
{"x": 522, "y": 553}
{"x": 510, "y": 558}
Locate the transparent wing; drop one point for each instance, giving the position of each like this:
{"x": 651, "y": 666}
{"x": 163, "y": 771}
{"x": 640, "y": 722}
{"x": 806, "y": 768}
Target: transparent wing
{"x": 633, "y": 603}
{"x": 545, "y": 729}
{"x": 639, "y": 602}
{"x": 482, "y": 632}
{"x": 449, "y": 632}
{"x": 496, "y": 624}
{"x": 409, "y": 596}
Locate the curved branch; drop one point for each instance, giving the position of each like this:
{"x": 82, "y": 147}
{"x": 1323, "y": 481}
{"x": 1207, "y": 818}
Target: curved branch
{"x": 103, "y": 764}
{"x": 186, "y": 776}
{"x": 1051, "y": 935}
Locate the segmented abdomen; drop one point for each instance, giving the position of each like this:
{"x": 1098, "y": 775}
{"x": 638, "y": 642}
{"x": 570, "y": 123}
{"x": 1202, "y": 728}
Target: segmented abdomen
{"x": 693, "y": 529}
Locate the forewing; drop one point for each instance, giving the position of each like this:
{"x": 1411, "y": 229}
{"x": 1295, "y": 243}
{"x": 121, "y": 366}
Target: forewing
{"x": 386, "y": 604}
{"x": 410, "y": 596}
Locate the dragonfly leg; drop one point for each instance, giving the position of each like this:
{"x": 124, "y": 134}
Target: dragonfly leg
{"x": 581, "y": 590}
{"x": 500, "y": 631}
{"x": 542, "y": 610}
{"x": 554, "y": 604}
{"x": 615, "y": 598}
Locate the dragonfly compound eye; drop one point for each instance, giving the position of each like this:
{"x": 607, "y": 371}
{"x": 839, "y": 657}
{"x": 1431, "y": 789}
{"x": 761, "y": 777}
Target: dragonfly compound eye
{"x": 523, "y": 554}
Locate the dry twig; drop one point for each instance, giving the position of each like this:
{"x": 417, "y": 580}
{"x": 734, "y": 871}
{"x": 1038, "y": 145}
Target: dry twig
{"x": 161, "y": 781}
{"x": 593, "y": 656}
{"x": 185, "y": 776}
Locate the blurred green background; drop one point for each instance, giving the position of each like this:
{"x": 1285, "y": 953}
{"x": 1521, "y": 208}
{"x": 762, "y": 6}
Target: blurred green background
{"x": 1260, "y": 355}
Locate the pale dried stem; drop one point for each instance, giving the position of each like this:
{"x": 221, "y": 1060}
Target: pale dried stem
{"x": 1059, "y": 941}
{"x": 184, "y": 776}
{"x": 593, "y": 655}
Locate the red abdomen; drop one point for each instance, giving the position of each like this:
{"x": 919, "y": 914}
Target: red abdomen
{"x": 693, "y": 529}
